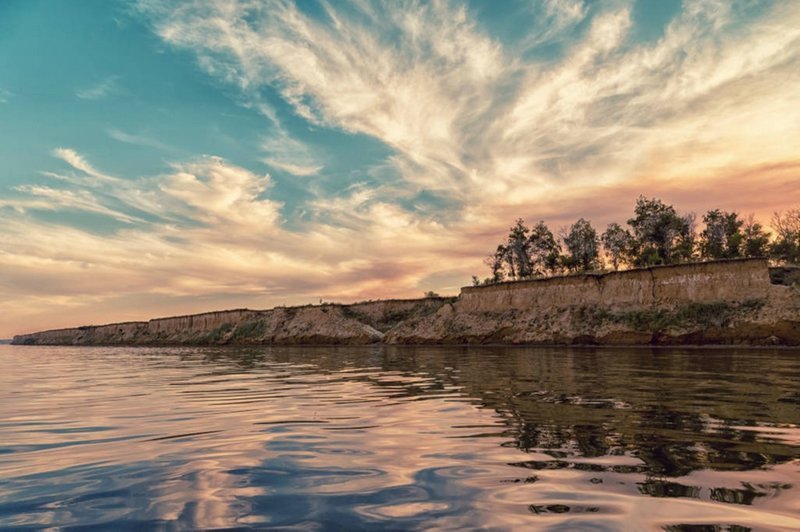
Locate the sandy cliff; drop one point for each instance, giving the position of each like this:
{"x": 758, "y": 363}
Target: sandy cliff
{"x": 725, "y": 302}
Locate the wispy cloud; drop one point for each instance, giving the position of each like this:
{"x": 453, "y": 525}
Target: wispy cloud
{"x": 294, "y": 169}
{"x": 139, "y": 140}
{"x": 50, "y": 199}
{"x": 225, "y": 197}
{"x": 423, "y": 95}
{"x": 552, "y": 21}
{"x": 4, "y": 95}
{"x": 99, "y": 90}
{"x": 137, "y": 195}
{"x": 289, "y": 154}
{"x": 78, "y": 162}
{"x": 469, "y": 120}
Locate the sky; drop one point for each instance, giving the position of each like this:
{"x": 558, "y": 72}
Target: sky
{"x": 162, "y": 158}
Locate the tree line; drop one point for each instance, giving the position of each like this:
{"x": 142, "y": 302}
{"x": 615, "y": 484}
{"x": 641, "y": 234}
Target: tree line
{"x": 657, "y": 234}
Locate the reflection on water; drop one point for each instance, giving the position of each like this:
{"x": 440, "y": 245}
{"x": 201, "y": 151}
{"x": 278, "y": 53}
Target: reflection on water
{"x": 370, "y": 438}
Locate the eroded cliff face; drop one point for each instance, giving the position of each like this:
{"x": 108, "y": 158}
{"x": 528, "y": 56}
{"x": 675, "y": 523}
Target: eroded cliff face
{"x": 360, "y": 323}
{"x": 726, "y": 302}
{"x": 659, "y": 286}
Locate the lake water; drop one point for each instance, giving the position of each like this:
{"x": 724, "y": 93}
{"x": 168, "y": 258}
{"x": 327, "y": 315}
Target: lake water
{"x": 399, "y": 438}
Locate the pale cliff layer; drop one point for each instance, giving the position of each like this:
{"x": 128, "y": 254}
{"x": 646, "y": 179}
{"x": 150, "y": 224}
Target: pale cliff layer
{"x": 726, "y": 302}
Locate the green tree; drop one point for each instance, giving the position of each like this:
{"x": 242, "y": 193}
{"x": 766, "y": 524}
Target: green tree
{"x": 786, "y": 245}
{"x": 685, "y": 242}
{"x": 755, "y": 241}
{"x": 661, "y": 236}
{"x": 517, "y": 251}
{"x": 544, "y": 250}
{"x": 618, "y": 244}
{"x": 583, "y": 247}
{"x": 495, "y": 263}
{"x": 722, "y": 238}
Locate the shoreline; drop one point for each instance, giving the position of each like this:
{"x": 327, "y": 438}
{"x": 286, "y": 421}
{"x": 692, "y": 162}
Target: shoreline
{"x": 587, "y": 347}
{"x": 726, "y": 303}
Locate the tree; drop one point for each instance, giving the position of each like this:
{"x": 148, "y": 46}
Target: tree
{"x": 618, "y": 244}
{"x": 661, "y": 235}
{"x": 544, "y": 250}
{"x": 495, "y": 263}
{"x": 722, "y": 238}
{"x": 583, "y": 247}
{"x": 685, "y": 243}
{"x": 787, "y": 236}
{"x": 755, "y": 241}
{"x": 517, "y": 251}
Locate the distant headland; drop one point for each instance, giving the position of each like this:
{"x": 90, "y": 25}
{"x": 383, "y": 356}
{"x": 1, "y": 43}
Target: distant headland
{"x": 725, "y": 302}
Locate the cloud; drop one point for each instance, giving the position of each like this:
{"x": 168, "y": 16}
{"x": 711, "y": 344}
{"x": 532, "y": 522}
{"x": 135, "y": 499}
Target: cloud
{"x": 78, "y": 162}
{"x": 139, "y": 140}
{"x": 100, "y": 90}
{"x": 4, "y": 95}
{"x": 420, "y": 95}
{"x": 470, "y": 120}
{"x": 552, "y": 21}
{"x": 47, "y": 198}
{"x": 223, "y": 196}
{"x": 137, "y": 196}
{"x": 476, "y": 122}
{"x": 294, "y": 169}
{"x": 289, "y": 154}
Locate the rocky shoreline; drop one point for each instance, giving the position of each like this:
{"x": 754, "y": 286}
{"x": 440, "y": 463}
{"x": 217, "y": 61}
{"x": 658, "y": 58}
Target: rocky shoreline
{"x": 732, "y": 302}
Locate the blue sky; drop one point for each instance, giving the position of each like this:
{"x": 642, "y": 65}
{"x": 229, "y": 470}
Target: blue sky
{"x": 163, "y": 157}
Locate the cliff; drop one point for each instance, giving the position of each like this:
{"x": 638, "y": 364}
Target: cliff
{"x": 723, "y": 302}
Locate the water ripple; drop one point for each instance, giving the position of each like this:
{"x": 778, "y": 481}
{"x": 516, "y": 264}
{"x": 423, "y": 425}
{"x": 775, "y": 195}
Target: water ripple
{"x": 400, "y": 438}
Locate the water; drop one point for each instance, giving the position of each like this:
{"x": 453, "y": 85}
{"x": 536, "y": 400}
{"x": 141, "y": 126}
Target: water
{"x": 399, "y": 438}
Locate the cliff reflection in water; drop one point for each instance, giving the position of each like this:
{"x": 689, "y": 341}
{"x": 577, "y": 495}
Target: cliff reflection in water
{"x": 413, "y": 437}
